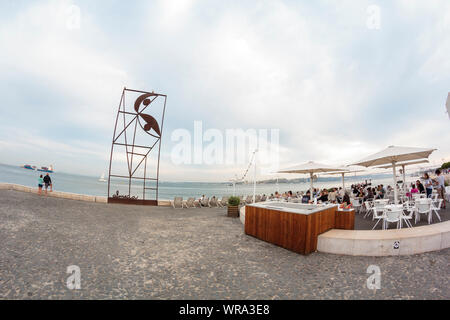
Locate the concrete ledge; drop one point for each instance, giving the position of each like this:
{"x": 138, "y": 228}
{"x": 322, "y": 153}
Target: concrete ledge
{"x": 392, "y": 242}
{"x": 60, "y": 194}
{"x": 242, "y": 214}
{"x": 164, "y": 203}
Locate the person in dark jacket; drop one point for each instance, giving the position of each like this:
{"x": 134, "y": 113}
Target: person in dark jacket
{"x": 48, "y": 183}
{"x": 420, "y": 186}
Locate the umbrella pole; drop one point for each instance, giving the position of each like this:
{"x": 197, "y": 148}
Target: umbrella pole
{"x": 395, "y": 183}
{"x": 343, "y": 182}
{"x": 312, "y": 190}
{"x": 404, "y": 178}
{"x": 254, "y": 182}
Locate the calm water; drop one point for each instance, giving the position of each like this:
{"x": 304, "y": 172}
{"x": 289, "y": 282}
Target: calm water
{"x": 167, "y": 190}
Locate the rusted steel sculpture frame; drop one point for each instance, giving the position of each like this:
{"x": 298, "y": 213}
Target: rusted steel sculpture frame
{"x": 129, "y": 199}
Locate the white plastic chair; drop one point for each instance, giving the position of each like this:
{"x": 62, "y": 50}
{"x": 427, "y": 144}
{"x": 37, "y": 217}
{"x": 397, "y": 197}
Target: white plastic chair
{"x": 205, "y": 203}
{"x": 410, "y": 209}
{"x": 368, "y": 207}
{"x": 380, "y": 204}
{"x": 378, "y": 213}
{"x": 435, "y": 207}
{"x": 356, "y": 204}
{"x": 177, "y": 203}
{"x": 423, "y": 207}
{"x": 213, "y": 202}
{"x": 189, "y": 203}
{"x": 223, "y": 202}
{"x": 393, "y": 215}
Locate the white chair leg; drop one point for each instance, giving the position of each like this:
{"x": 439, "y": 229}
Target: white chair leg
{"x": 376, "y": 224}
{"x": 437, "y": 214}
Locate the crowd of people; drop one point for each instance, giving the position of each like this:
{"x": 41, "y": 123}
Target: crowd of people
{"x": 365, "y": 191}
{"x": 333, "y": 195}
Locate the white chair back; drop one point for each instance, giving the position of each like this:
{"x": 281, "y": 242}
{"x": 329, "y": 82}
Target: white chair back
{"x": 393, "y": 215}
{"x": 178, "y": 202}
{"x": 424, "y": 206}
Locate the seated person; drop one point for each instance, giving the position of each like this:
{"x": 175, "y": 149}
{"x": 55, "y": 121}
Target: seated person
{"x": 306, "y": 197}
{"x": 332, "y": 196}
{"x": 370, "y": 195}
{"x": 413, "y": 189}
{"x": 346, "y": 200}
{"x": 323, "y": 197}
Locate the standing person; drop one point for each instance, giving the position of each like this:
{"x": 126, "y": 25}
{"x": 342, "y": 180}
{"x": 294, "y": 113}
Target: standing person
{"x": 47, "y": 183}
{"x": 428, "y": 185}
{"x": 382, "y": 191}
{"x": 441, "y": 186}
{"x": 40, "y": 184}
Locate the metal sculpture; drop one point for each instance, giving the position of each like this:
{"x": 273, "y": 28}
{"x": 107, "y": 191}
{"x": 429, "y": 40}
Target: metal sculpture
{"x": 136, "y": 162}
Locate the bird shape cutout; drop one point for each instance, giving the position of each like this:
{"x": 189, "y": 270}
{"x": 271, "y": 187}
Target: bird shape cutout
{"x": 150, "y": 122}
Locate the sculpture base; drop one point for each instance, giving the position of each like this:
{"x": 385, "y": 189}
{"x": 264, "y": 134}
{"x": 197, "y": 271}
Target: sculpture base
{"x": 133, "y": 201}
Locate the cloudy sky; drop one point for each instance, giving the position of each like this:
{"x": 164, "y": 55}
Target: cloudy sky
{"x": 338, "y": 80}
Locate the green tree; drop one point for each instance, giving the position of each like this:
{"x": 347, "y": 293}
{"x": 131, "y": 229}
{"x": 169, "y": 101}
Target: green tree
{"x": 445, "y": 165}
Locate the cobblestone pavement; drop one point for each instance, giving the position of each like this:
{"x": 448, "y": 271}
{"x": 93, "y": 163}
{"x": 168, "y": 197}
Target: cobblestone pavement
{"x": 134, "y": 252}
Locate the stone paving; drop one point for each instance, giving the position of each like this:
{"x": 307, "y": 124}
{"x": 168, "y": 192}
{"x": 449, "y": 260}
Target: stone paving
{"x": 134, "y": 252}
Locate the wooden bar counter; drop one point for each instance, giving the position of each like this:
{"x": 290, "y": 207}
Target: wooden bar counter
{"x": 293, "y": 226}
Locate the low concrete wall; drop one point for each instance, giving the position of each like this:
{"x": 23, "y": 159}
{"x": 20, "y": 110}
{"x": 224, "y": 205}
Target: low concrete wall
{"x": 67, "y": 195}
{"x": 55, "y": 194}
{"x": 242, "y": 214}
{"x": 392, "y": 242}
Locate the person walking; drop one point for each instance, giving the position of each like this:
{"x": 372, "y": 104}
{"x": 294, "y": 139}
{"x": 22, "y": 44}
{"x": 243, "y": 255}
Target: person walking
{"x": 428, "y": 185}
{"x": 441, "y": 186}
{"x": 40, "y": 184}
{"x": 47, "y": 183}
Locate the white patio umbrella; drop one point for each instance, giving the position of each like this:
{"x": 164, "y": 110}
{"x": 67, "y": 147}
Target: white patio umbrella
{"x": 403, "y": 165}
{"x": 349, "y": 169}
{"x": 311, "y": 167}
{"x": 394, "y": 155}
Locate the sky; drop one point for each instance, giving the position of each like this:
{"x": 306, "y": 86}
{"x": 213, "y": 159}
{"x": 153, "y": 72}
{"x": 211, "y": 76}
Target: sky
{"x": 339, "y": 79}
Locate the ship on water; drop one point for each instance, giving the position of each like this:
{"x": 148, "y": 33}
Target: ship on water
{"x": 46, "y": 169}
{"x": 41, "y": 169}
{"x": 102, "y": 178}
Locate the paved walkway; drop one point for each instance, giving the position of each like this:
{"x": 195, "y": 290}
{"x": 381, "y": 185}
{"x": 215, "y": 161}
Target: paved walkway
{"x": 129, "y": 252}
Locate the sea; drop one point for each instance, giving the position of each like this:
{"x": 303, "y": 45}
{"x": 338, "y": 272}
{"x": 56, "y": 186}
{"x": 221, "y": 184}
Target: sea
{"x": 89, "y": 185}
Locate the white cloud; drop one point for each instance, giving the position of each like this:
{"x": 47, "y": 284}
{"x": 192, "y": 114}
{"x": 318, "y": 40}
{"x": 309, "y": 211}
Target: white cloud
{"x": 312, "y": 70}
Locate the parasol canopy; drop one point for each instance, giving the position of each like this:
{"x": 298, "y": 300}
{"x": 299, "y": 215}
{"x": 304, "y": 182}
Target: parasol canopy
{"x": 393, "y": 155}
{"x": 310, "y": 168}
